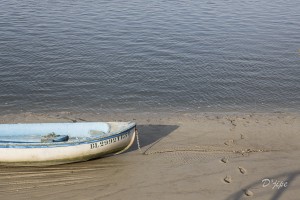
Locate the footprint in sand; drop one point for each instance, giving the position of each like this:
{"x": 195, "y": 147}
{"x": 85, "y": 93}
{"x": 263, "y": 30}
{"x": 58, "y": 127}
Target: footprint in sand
{"x": 228, "y": 179}
{"x": 248, "y": 193}
{"x": 242, "y": 170}
{"x": 224, "y": 160}
{"x": 229, "y": 142}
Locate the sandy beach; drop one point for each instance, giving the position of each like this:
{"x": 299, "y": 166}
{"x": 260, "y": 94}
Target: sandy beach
{"x": 213, "y": 156}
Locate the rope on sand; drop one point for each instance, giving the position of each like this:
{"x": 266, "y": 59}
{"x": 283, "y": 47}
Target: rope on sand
{"x": 243, "y": 152}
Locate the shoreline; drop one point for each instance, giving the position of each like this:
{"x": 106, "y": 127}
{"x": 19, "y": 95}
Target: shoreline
{"x": 135, "y": 116}
{"x": 190, "y": 156}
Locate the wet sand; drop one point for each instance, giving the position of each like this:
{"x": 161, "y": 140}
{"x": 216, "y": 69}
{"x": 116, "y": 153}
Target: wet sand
{"x": 182, "y": 156}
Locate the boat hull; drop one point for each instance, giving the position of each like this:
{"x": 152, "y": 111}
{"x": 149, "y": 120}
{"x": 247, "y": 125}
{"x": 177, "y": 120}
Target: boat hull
{"x": 61, "y": 154}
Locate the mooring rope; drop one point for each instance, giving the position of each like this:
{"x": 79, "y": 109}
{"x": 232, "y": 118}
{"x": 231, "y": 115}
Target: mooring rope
{"x": 138, "y": 140}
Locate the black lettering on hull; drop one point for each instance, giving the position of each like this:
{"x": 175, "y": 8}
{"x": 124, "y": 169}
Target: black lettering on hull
{"x": 109, "y": 141}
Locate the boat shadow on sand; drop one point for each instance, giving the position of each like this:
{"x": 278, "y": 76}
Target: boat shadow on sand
{"x": 151, "y": 134}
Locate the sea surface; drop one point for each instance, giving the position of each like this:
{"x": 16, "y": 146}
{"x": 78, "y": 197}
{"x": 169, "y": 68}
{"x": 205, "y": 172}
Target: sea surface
{"x": 149, "y": 56}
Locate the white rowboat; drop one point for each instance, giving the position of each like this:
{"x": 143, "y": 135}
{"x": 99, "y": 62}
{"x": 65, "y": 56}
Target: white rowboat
{"x": 59, "y": 143}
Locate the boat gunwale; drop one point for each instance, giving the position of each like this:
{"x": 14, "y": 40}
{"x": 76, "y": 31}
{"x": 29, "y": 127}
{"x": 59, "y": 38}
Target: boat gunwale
{"x": 88, "y": 140}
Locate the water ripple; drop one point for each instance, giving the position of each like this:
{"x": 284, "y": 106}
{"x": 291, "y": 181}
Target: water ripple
{"x": 149, "y": 56}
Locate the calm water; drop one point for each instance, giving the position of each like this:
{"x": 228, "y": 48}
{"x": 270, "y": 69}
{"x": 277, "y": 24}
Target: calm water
{"x": 154, "y": 55}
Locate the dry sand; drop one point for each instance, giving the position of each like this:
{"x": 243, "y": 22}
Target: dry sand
{"x": 183, "y": 156}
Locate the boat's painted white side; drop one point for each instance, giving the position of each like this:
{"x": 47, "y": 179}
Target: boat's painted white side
{"x": 74, "y": 152}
